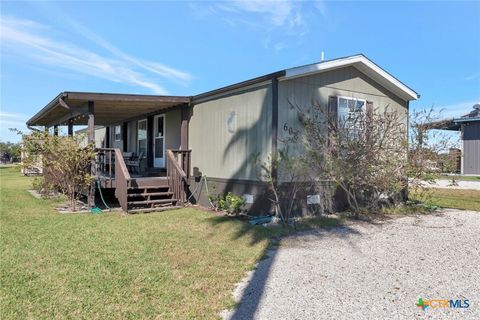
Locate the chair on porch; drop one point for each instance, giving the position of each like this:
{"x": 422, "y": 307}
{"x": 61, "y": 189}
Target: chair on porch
{"x": 134, "y": 162}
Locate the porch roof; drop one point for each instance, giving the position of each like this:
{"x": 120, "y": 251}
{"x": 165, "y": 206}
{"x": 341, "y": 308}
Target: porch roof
{"x": 109, "y": 108}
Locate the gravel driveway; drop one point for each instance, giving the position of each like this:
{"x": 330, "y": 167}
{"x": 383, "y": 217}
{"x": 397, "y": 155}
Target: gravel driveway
{"x": 369, "y": 271}
{"x": 447, "y": 184}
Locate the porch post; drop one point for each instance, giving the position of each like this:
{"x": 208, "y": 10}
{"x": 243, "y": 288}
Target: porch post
{"x": 91, "y": 139}
{"x": 184, "y": 127}
{"x": 107, "y": 137}
{"x": 55, "y": 130}
{"x": 125, "y": 136}
{"x": 149, "y": 141}
{"x": 91, "y": 122}
{"x": 70, "y": 127}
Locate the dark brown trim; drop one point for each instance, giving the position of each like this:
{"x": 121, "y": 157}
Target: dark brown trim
{"x": 98, "y": 96}
{"x": 91, "y": 96}
{"x": 224, "y": 180}
{"x": 274, "y": 125}
{"x": 107, "y": 137}
{"x": 146, "y": 115}
{"x": 91, "y": 121}
{"x": 268, "y": 77}
{"x": 125, "y": 136}
{"x": 150, "y": 141}
{"x": 55, "y": 130}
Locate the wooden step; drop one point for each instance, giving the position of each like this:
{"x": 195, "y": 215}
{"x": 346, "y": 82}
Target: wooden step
{"x": 148, "y": 182}
{"x": 145, "y": 210}
{"x": 152, "y": 201}
{"x": 146, "y": 194}
{"x": 149, "y": 187}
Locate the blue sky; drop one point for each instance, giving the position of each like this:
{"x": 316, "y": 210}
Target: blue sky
{"x": 185, "y": 48}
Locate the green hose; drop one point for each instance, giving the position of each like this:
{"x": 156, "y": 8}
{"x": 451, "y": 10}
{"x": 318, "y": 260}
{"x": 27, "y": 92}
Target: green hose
{"x": 97, "y": 210}
{"x": 101, "y": 195}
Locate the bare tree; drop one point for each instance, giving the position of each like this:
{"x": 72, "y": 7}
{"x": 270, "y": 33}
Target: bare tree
{"x": 363, "y": 153}
{"x": 285, "y": 177}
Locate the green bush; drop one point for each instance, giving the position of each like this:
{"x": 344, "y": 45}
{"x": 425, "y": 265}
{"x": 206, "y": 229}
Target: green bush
{"x": 230, "y": 203}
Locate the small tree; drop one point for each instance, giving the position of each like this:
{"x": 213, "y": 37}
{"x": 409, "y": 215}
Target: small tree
{"x": 66, "y": 165}
{"x": 10, "y": 151}
{"x": 285, "y": 177}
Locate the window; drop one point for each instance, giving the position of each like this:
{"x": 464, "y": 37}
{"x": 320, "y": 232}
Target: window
{"x": 142, "y": 137}
{"x": 117, "y": 133}
{"x": 350, "y": 114}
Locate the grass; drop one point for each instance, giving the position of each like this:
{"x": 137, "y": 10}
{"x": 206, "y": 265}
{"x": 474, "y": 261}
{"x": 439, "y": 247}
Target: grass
{"x": 450, "y": 198}
{"x": 180, "y": 264}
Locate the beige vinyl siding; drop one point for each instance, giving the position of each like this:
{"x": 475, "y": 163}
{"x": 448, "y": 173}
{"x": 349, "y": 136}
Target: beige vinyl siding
{"x": 304, "y": 92}
{"x": 173, "y": 123}
{"x": 222, "y": 154}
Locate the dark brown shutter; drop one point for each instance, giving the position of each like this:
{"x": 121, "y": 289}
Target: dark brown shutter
{"x": 332, "y": 114}
{"x": 369, "y": 119}
{"x": 369, "y": 110}
{"x": 332, "y": 109}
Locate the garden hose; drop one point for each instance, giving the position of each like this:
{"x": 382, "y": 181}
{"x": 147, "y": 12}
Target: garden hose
{"x": 97, "y": 210}
{"x": 203, "y": 180}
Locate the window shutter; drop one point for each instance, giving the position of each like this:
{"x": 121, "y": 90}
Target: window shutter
{"x": 369, "y": 119}
{"x": 332, "y": 114}
{"x": 369, "y": 109}
{"x": 332, "y": 110}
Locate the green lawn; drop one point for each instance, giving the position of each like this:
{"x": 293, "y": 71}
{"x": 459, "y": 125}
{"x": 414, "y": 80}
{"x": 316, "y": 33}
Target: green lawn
{"x": 451, "y": 198}
{"x": 181, "y": 264}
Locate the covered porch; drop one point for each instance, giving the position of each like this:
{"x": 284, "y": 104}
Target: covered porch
{"x": 141, "y": 140}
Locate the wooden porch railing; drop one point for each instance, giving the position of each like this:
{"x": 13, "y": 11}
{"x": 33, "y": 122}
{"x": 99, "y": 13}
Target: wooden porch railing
{"x": 110, "y": 164}
{"x": 178, "y": 172}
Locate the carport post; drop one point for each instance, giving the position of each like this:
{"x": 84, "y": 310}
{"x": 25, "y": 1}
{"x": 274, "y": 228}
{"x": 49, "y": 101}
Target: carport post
{"x": 70, "y": 127}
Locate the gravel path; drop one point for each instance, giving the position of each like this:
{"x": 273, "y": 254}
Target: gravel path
{"x": 369, "y": 271}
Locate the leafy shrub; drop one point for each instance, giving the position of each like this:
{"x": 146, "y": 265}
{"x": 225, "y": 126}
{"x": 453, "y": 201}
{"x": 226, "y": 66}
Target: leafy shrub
{"x": 230, "y": 203}
{"x": 41, "y": 186}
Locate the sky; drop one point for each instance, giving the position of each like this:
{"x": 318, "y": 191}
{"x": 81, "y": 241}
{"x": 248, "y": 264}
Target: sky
{"x": 186, "y": 48}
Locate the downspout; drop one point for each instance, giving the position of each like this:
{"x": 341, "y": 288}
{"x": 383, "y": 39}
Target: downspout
{"x": 274, "y": 126}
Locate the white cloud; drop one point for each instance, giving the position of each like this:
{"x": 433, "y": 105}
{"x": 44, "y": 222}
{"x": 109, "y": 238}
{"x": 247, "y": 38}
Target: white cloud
{"x": 278, "y": 20}
{"x": 11, "y": 120}
{"x": 26, "y": 38}
{"x": 151, "y": 66}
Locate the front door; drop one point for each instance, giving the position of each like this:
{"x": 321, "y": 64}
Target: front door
{"x": 159, "y": 141}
